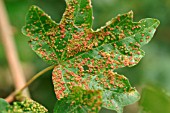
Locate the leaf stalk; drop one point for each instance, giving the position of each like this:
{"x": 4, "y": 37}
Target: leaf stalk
{"x": 12, "y": 96}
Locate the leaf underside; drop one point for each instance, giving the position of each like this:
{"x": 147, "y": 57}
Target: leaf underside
{"x": 88, "y": 58}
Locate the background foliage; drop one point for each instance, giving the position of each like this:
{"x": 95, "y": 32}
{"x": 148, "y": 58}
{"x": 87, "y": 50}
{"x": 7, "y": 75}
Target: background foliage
{"x": 153, "y": 71}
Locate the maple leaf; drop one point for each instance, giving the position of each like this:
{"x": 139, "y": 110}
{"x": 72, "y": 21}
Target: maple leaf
{"x": 88, "y": 58}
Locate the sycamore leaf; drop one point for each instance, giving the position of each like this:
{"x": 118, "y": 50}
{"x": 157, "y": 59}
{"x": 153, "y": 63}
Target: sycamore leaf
{"x": 88, "y": 58}
{"x": 80, "y": 101}
{"x": 27, "y": 106}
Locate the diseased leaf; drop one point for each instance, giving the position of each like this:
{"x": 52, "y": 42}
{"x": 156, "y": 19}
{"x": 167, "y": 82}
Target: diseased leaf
{"x": 80, "y": 101}
{"x": 87, "y": 58}
{"x": 3, "y": 106}
{"x": 27, "y": 106}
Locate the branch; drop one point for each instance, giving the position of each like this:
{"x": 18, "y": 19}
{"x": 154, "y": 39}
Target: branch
{"x": 10, "y": 50}
{"x": 11, "y": 97}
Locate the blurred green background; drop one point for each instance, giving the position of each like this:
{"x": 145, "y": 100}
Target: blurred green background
{"x": 151, "y": 76}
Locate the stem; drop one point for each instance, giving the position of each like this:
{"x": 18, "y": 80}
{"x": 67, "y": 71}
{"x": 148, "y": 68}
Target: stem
{"x": 11, "y": 97}
{"x": 35, "y": 77}
{"x": 8, "y": 42}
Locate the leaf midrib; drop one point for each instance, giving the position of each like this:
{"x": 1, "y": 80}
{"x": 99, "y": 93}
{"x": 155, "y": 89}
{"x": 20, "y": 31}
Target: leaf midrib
{"x": 97, "y": 32}
{"x": 107, "y": 44}
{"x": 115, "y": 41}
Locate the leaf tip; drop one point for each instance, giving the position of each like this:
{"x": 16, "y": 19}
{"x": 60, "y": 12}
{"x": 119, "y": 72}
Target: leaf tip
{"x": 157, "y": 21}
{"x": 33, "y": 7}
{"x": 131, "y": 12}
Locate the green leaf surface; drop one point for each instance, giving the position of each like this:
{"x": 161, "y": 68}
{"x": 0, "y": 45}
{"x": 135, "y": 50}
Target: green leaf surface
{"x": 80, "y": 101}
{"x": 3, "y": 106}
{"x": 88, "y": 58}
{"x": 27, "y": 106}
